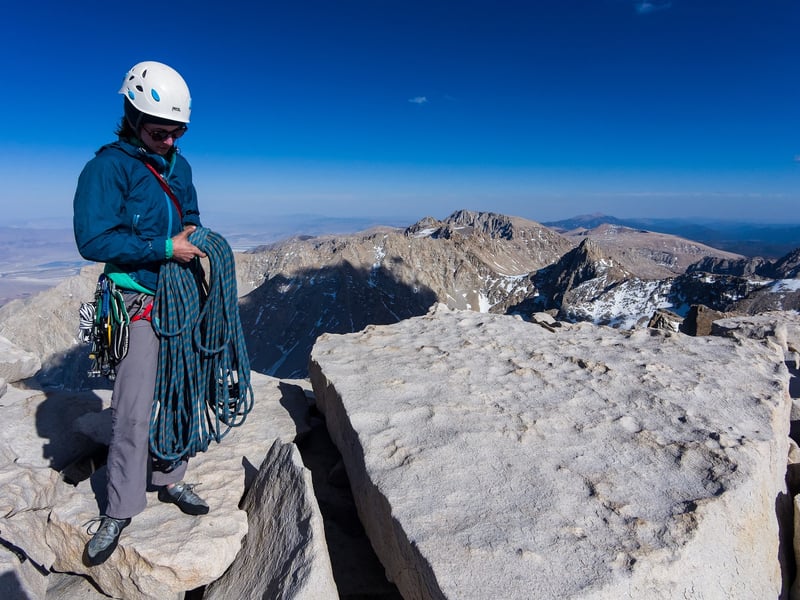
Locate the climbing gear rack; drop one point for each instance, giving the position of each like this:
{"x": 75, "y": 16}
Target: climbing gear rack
{"x": 105, "y": 324}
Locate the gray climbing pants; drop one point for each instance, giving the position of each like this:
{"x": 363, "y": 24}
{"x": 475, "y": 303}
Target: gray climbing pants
{"x": 129, "y": 462}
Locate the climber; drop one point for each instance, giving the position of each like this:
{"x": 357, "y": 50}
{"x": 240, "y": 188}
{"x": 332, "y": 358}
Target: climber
{"x": 134, "y": 209}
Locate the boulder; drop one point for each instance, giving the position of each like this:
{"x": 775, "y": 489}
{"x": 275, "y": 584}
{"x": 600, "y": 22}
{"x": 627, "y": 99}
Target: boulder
{"x": 492, "y": 458}
{"x": 782, "y": 327}
{"x": 62, "y": 586}
{"x": 29, "y": 484}
{"x": 284, "y": 554}
{"x": 767, "y": 326}
{"x": 163, "y": 552}
{"x": 665, "y": 319}
{"x": 778, "y": 327}
{"x": 20, "y": 579}
{"x": 15, "y": 363}
{"x": 699, "y": 320}
{"x": 545, "y": 320}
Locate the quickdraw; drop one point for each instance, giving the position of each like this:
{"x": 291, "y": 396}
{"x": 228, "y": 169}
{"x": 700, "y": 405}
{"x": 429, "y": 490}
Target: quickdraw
{"x": 105, "y": 324}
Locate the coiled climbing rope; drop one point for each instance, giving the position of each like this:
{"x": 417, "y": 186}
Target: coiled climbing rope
{"x": 203, "y": 379}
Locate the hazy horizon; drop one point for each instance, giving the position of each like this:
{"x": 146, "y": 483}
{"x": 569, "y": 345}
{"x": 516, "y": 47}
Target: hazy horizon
{"x": 322, "y": 223}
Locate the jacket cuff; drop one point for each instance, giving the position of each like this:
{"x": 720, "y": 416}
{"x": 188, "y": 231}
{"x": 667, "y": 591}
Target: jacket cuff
{"x": 168, "y": 249}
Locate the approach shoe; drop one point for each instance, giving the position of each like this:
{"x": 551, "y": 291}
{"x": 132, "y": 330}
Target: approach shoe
{"x": 183, "y": 495}
{"x": 104, "y": 540}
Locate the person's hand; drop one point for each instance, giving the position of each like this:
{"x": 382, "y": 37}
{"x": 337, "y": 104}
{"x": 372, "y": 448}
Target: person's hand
{"x": 182, "y": 249}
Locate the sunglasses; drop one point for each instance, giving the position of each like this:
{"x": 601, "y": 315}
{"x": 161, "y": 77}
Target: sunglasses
{"x": 159, "y": 135}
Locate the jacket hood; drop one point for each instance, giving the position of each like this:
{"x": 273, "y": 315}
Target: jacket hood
{"x": 160, "y": 162}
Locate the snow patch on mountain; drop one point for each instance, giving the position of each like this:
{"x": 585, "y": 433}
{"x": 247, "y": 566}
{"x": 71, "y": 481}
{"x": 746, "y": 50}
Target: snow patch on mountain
{"x": 624, "y": 305}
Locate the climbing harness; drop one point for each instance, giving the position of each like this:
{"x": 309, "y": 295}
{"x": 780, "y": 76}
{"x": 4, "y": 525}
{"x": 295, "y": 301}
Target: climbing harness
{"x": 105, "y": 324}
{"x": 203, "y": 380}
{"x": 145, "y": 314}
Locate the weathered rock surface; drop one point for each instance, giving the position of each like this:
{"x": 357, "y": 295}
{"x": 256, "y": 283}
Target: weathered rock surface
{"x": 665, "y": 319}
{"x": 163, "y": 552}
{"x": 20, "y": 579}
{"x": 284, "y": 554}
{"x": 492, "y": 458}
{"x": 782, "y": 327}
{"x": 15, "y": 363}
{"x": 699, "y": 320}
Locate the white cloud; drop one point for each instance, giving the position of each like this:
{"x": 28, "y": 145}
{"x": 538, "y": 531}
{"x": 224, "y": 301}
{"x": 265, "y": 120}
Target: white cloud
{"x": 418, "y": 100}
{"x": 647, "y": 6}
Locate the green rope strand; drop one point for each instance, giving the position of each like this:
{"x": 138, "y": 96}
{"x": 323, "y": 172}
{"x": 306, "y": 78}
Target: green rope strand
{"x": 203, "y": 379}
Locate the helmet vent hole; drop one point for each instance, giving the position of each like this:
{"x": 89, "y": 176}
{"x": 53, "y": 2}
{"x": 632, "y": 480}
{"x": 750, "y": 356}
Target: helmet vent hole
{"x": 140, "y": 88}
{"x": 144, "y": 73}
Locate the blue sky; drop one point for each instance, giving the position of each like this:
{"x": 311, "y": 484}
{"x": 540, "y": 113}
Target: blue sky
{"x": 393, "y": 110}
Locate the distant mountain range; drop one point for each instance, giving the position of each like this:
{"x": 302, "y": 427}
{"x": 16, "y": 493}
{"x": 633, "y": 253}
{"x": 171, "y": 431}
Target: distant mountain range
{"x": 749, "y": 239}
{"x": 296, "y": 289}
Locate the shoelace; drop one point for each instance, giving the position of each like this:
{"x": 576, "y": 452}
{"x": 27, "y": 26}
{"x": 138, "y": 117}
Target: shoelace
{"x": 97, "y": 524}
{"x": 185, "y": 491}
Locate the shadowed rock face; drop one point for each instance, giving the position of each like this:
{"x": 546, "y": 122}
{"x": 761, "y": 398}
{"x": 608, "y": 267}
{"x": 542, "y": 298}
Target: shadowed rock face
{"x": 342, "y": 284}
{"x": 490, "y": 456}
{"x": 787, "y": 267}
{"x": 743, "y": 267}
{"x": 284, "y": 554}
{"x": 587, "y": 262}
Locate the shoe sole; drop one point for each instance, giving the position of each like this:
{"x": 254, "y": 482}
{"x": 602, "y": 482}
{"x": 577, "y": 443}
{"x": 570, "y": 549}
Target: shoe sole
{"x": 103, "y": 555}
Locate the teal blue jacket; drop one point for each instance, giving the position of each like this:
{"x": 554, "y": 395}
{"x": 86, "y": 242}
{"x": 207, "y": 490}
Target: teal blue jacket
{"x": 122, "y": 215}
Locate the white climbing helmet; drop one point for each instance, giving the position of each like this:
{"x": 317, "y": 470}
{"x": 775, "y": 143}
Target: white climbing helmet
{"x": 158, "y": 90}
